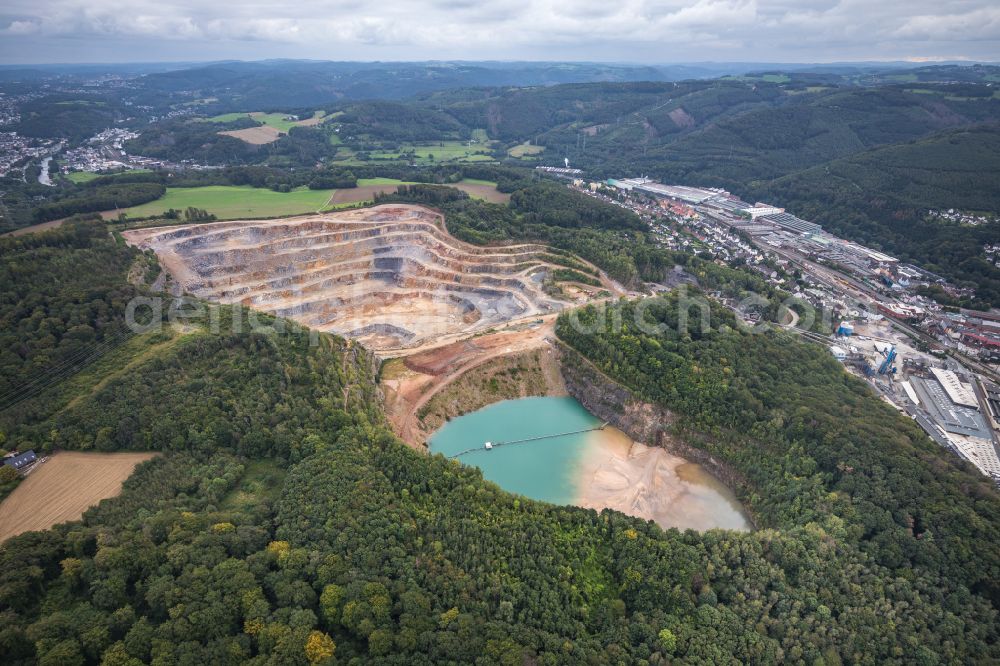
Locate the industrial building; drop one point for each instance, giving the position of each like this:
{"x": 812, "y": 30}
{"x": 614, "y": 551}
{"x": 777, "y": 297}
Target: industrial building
{"x": 993, "y": 400}
{"x": 792, "y": 223}
{"x": 959, "y": 392}
{"x": 846, "y": 329}
{"x": 979, "y": 452}
{"x": 760, "y": 209}
{"x": 562, "y": 171}
{"x": 690, "y": 195}
{"x": 755, "y": 229}
{"x": 728, "y": 204}
{"x": 867, "y": 253}
{"x": 952, "y": 417}
{"x": 949, "y": 403}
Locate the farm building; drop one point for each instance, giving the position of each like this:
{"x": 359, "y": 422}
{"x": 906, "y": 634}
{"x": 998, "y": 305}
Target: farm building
{"x": 20, "y": 460}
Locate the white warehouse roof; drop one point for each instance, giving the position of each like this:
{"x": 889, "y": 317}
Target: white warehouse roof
{"x": 959, "y": 392}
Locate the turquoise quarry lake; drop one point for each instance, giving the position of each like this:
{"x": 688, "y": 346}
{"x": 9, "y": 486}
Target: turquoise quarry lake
{"x": 597, "y": 469}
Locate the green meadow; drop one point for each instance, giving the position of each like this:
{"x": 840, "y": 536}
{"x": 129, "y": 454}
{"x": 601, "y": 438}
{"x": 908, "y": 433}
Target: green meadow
{"x": 275, "y": 120}
{"x": 229, "y": 202}
{"x": 87, "y": 176}
{"x": 226, "y": 117}
{"x": 82, "y": 176}
{"x": 525, "y": 150}
{"x": 439, "y": 151}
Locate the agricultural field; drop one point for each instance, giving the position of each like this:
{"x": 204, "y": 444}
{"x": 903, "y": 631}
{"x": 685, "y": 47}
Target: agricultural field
{"x": 945, "y": 94}
{"x": 275, "y": 120}
{"x": 482, "y": 189}
{"x": 278, "y": 120}
{"x": 81, "y": 176}
{"x": 440, "y": 151}
{"x": 368, "y": 187}
{"x": 63, "y": 487}
{"x": 229, "y": 202}
{"x": 272, "y": 125}
{"x": 366, "y": 190}
{"x": 87, "y": 176}
{"x": 256, "y": 136}
{"x": 525, "y": 150}
{"x": 226, "y": 118}
{"x": 808, "y": 89}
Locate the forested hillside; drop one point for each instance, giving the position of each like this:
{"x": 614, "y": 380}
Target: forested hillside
{"x": 881, "y": 198}
{"x": 284, "y": 523}
{"x": 789, "y": 418}
{"x": 754, "y": 140}
{"x": 67, "y": 116}
{"x": 62, "y": 294}
{"x": 865, "y": 162}
{"x": 250, "y": 86}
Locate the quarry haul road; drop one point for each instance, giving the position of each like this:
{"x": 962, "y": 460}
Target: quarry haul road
{"x": 415, "y": 391}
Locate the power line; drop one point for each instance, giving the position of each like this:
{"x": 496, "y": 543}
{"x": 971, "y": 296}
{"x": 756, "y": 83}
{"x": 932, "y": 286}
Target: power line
{"x": 50, "y": 379}
{"x": 63, "y": 371}
{"x": 72, "y": 359}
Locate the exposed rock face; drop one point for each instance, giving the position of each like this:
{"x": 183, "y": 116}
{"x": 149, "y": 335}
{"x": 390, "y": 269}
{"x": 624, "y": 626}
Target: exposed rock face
{"x": 644, "y": 422}
{"x": 612, "y": 402}
{"x": 389, "y": 276}
{"x": 508, "y": 377}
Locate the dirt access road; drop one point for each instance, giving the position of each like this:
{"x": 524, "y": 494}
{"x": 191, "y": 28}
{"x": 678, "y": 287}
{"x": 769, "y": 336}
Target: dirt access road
{"x": 411, "y": 382}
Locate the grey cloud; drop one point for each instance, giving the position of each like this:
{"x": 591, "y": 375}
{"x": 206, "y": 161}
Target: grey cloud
{"x": 650, "y": 30}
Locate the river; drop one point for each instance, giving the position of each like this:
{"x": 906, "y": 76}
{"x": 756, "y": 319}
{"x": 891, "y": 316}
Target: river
{"x": 597, "y": 469}
{"x": 43, "y": 176}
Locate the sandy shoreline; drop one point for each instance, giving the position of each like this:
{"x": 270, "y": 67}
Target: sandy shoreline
{"x": 650, "y": 483}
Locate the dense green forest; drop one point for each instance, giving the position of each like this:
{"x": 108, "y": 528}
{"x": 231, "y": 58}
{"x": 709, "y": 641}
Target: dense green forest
{"x": 184, "y": 139}
{"x": 724, "y": 132}
{"x": 99, "y": 198}
{"x": 789, "y": 418}
{"x": 397, "y": 122}
{"x": 283, "y": 523}
{"x": 68, "y": 116}
{"x": 62, "y": 295}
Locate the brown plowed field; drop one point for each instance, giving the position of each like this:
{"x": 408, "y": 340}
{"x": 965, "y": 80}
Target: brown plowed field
{"x": 368, "y": 192}
{"x": 63, "y": 487}
{"x": 255, "y": 135}
{"x": 359, "y": 194}
{"x": 486, "y": 192}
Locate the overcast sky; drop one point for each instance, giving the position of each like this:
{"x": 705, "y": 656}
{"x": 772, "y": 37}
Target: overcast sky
{"x": 655, "y": 31}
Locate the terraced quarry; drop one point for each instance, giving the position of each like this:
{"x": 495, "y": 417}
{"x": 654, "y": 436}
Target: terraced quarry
{"x": 389, "y": 276}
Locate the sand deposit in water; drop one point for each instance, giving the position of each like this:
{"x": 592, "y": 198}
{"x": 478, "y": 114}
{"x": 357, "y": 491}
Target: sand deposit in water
{"x": 598, "y": 469}
{"x": 650, "y": 483}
